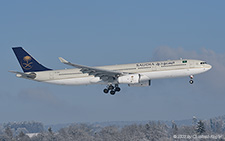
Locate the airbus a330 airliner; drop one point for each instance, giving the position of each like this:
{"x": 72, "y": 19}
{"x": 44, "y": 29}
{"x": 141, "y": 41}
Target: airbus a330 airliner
{"x": 137, "y": 74}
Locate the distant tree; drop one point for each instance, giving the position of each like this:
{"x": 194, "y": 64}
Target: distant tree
{"x": 109, "y": 133}
{"x": 22, "y": 137}
{"x": 174, "y": 128}
{"x": 31, "y": 127}
{"x": 194, "y": 120}
{"x": 4, "y": 137}
{"x": 147, "y": 131}
{"x": 200, "y": 129}
{"x": 158, "y": 131}
{"x": 219, "y": 126}
{"x": 39, "y": 137}
{"x": 9, "y": 132}
{"x": 19, "y": 130}
{"x": 1, "y": 130}
{"x": 212, "y": 125}
{"x": 187, "y": 130}
{"x": 63, "y": 135}
{"x": 80, "y": 132}
{"x": 50, "y": 130}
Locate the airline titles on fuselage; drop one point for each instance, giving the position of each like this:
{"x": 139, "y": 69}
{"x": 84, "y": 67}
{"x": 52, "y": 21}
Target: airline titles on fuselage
{"x": 154, "y": 64}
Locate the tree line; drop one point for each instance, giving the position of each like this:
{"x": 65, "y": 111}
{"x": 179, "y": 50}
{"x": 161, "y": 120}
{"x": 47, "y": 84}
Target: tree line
{"x": 151, "y": 131}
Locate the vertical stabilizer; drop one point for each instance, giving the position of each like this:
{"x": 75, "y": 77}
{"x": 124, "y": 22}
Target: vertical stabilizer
{"x": 27, "y": 62}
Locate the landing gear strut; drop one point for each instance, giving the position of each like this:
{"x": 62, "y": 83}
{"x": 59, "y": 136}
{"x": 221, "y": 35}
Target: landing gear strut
{"x": 191, "y": 81}
{"x": 112, "y": 89}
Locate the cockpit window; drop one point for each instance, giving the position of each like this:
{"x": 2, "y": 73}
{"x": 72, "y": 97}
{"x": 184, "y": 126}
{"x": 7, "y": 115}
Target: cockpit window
{"x": 203, "y": 63}
{"x": 185, "y": 61}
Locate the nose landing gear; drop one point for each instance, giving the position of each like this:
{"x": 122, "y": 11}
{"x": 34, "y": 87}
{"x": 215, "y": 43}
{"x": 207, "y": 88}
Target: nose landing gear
{"x": 191, "y": 81}
{"x": 112, "y": 89}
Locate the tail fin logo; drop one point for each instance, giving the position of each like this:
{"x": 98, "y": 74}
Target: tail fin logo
{"x": 27, "y": 63}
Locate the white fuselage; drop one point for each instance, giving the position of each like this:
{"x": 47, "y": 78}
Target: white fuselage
{"x": 147, "y": 71}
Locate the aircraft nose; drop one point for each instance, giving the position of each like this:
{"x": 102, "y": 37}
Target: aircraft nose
{"x": 208, "y": 66}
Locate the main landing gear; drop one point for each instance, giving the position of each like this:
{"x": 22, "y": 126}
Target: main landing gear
{"x": 112, "y": 89}
{"x": 191, "y": 81}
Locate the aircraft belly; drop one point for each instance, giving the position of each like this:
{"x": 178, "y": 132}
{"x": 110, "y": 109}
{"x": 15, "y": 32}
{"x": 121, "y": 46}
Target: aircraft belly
{"x": 72, "y": 81}
{"x": 174, "y": 73}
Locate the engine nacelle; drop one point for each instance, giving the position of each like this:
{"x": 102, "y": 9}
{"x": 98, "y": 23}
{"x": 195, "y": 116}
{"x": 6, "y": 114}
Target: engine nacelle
{"x": 129, "y": 79}
{"x": 141, "y": 84}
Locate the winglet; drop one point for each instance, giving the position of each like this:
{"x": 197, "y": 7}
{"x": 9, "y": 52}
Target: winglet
{"x": 63, "y": 60}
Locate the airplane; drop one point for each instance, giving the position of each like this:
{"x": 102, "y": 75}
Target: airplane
{"x": 137, "y": 74}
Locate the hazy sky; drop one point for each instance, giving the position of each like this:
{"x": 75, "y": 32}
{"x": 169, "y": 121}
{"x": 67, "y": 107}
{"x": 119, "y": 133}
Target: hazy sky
{"x": 103, "y": 32}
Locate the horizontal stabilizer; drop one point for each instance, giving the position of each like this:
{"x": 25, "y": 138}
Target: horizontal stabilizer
{"x": 30, "y": 75}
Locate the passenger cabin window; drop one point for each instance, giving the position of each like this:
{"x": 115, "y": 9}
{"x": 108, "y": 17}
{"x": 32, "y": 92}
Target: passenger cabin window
{"x": 203, "y": 63}
{"x": 185, "y": 61}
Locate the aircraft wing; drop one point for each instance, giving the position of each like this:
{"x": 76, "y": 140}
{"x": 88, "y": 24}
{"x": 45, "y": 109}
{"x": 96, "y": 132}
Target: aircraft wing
{"x": 105, "y": 75}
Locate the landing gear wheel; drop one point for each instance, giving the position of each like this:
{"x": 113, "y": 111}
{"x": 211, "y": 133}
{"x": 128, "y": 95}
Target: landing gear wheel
{"x": 117, "y": 89}
{"x": 106, "y": 91}
{"x": 111, "y": 87}
{"x": 191, "y": 81}
{"x": 112, "y": 92}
